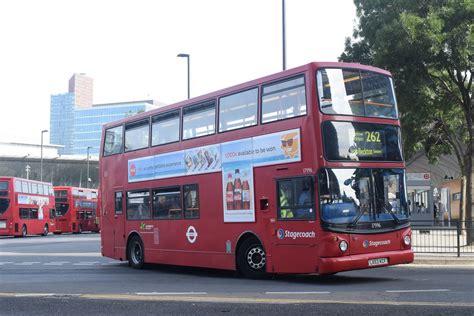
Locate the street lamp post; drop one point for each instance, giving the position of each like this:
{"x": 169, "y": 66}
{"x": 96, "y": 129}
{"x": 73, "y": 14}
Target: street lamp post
{"x": 88, "y": 179}
{"x": 283, "y": 32}
{"x": 187, "y": 57}
{"x": 41, "y": 164}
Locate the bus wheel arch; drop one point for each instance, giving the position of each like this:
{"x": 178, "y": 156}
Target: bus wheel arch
{"x": 135, "y": 252}
{"x": 251, "y": 260}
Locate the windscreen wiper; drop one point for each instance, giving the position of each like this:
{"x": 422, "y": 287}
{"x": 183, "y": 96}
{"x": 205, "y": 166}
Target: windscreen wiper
{"x": 356, "y": 220}
{"x": 385, "y": 205}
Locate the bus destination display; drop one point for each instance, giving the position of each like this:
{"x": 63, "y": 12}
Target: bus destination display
{"x": 367, "y": 144}
{"x": 355, "y": 141}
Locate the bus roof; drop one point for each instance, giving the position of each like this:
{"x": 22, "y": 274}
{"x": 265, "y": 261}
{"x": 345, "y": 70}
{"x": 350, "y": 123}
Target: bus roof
{"x": 246, "y": 85}
{"x": 65, "y": 187}
{"x": 23, "y": 179}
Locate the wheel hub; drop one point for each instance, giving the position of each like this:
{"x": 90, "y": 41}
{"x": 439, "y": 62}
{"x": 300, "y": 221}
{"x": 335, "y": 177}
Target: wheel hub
{"x": 256, "y": 258}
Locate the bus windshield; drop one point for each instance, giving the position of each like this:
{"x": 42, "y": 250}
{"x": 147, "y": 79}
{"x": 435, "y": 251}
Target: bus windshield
{"x": 357, "y": 196}
{"x": 61, "y": 209}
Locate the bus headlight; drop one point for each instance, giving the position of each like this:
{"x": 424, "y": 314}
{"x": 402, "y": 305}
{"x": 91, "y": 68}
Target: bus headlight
{"x": 343, "y": 245}
{"x": 407, "y": 240}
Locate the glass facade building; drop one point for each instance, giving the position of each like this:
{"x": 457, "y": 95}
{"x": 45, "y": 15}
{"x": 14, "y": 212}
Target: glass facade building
{"x": 76, "y": 123}
{"x": 88, "y": 123}
{"x": 62, "y": 121}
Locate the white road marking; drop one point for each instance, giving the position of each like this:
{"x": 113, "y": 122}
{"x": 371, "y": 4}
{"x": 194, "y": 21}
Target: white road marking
{"x": 58, "y": 263}
{"x": 3, "y": 263}
{"x": 35, "y": 294}
{"x": 53, "y": 254}
{"x": 417, "y": 291}
{"x": 86, "y": 263}
{"x": 171, "y": 293}
{"x": 296, "y": 293}
{"x": 109, "y": 263}
{"x": 26, "y": 263}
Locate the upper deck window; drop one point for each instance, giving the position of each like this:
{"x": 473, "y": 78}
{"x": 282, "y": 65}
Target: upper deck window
{"x": 113, "y": 141}
{"x": 353, "y": 92}
{"x": 137, "y": 135}
{"x": 283, "y": 100}
{"x": 199, "y": 120}
{"x": 3, "y": 185}
{"x": 238, "y": 110}
{"x": 165, "y": 128}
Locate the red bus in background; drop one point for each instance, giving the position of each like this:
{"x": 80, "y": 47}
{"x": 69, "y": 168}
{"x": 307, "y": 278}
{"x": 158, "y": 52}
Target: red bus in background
{"x": 26, "y": 207}
{"x": 76, "y": 210}
{"x": 297, "y": 172}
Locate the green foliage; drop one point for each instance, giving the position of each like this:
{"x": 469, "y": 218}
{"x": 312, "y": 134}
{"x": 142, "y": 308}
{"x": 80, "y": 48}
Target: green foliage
{"x": 428, "y": 47}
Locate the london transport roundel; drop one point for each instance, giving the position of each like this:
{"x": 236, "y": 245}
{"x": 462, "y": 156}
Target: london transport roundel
{"x": 191, "y": 234}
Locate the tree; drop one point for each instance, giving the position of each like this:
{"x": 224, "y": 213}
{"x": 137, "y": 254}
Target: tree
{"x": 428, "y": 47}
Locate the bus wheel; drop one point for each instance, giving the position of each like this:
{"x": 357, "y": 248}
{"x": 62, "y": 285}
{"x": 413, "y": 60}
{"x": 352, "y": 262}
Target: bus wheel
{"x": 45, "y": 230}
{"x": 24, "y": 231}
{"x": 136, "y": 255}
{"x": 251, "y": 259}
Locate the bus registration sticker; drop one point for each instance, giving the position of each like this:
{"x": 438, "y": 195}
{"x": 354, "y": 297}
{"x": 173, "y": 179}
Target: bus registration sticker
{"x": 377, "y": 262}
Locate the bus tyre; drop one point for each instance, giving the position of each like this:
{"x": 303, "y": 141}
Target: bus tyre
{"x": 136, "y": 253}
{"x": 24, "y": 231}
{"x": 45, "y": 230}
{"x": 251, "y": 259}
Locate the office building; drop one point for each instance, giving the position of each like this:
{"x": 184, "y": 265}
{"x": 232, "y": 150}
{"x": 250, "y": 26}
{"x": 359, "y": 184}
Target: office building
{"x": 88, "y": 122}
{"x": 76, "y": 123}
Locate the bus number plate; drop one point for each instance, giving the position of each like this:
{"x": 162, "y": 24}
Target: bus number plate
{"x": 377, "y": 262}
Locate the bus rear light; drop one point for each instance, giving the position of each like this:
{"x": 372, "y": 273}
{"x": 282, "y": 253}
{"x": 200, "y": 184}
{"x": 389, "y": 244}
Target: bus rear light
{"x": 343, "y": 245}
{"x": 407, "y": 240}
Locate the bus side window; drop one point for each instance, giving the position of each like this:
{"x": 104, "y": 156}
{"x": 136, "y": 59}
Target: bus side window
{"x": 167, "y": 203}
{"x": 138, "y": 205}
{"x": 118, "y": 203}
{"x": 191, "y": 201}
{"x": 284, "y": 99}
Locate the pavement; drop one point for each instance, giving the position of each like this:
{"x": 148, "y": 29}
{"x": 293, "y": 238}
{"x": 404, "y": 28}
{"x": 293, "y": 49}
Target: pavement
{"x": 466, "y": 260}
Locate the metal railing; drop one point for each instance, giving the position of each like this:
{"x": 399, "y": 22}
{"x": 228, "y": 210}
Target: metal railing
{"x": 435, "y": 237}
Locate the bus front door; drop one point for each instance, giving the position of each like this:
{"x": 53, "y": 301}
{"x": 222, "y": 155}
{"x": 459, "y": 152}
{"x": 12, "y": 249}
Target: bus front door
{"x": 119, "y": 223}
{"x": 291, "y": 224}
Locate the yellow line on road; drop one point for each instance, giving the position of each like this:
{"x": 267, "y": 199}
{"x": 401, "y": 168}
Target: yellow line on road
{"x": 246, "y": 300}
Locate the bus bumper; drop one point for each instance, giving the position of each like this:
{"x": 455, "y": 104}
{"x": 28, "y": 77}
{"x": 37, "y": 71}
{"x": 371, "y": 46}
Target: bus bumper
{"x": 356, "y": 262}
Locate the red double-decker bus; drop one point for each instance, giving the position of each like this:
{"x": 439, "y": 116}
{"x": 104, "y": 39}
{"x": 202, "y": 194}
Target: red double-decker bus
{"x": 297, "y": 172}
{"x": 26, "y": 207}
{"x": 76, "y": 210}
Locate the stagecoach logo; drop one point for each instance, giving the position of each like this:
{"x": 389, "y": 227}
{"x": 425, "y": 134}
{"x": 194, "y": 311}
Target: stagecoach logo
{"x": 191, "y": 234}
{"x": 371, "y": 243}
{"x": 133, "y": 170}
{"x": 144, "y": 226}
{"x": 281, "y": 233}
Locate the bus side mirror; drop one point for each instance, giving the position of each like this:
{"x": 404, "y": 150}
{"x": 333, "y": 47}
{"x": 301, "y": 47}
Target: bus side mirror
{"x": 264, "y": 204}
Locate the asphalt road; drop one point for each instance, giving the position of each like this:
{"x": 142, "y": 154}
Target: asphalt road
{"x": 66, "y": 274}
